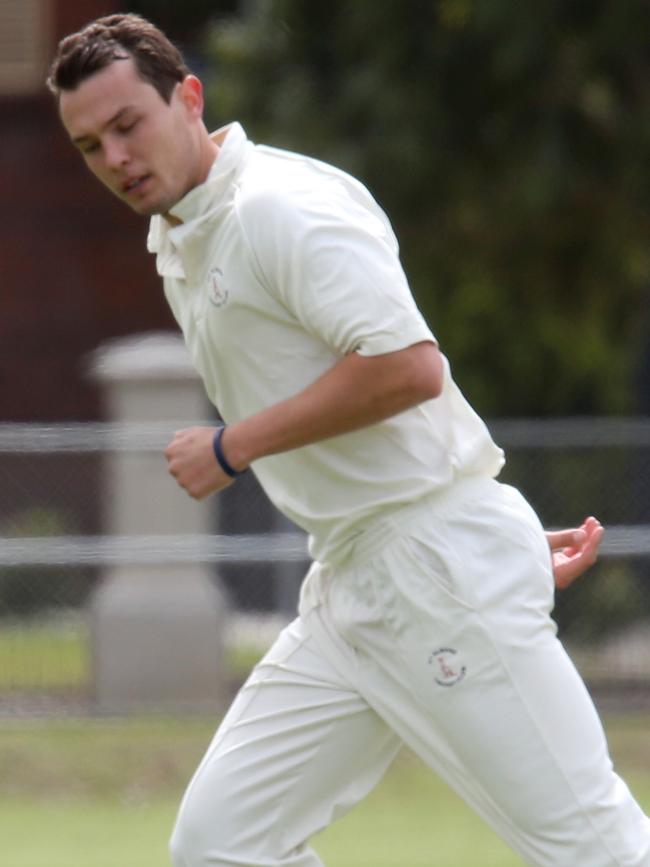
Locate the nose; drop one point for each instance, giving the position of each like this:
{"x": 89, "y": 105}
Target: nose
{"x": 115, "y": 154}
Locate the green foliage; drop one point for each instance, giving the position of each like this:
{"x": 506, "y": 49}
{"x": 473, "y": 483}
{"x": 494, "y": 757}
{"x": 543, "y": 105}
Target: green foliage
{"x": 35, "y": 521}
{"x": 182, "y": 21}
{"x": 25, "y": 589}
{"x": 508, "y": 143}
{"x": 29, "y": 590}
{"x": 610, "y": 599}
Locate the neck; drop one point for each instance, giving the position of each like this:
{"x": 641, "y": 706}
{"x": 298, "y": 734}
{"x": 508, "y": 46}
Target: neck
{"x": 208, "y": 153}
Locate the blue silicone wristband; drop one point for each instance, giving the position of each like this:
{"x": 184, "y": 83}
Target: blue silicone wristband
{"x": 221, "y": 458}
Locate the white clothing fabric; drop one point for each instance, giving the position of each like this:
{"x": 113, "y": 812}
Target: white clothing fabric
{"x": 281, "y": 267}
{"x": 436, "y": 633}
{"x": 427, "y": 620}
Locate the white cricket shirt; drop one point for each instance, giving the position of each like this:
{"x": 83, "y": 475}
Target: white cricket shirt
{"x": 281, "y": 267}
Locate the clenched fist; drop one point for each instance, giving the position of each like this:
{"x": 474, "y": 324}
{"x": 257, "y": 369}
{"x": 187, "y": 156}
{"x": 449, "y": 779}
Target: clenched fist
{"x": 192, "y": 462}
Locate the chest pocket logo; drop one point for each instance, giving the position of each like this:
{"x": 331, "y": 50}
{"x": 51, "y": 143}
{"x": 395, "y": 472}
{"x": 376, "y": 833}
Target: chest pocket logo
{"x": 217, "y": 290}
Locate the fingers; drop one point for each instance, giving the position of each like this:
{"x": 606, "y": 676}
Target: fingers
{"x": 566, "y": 538}
{"x": 592, "y": 526}
{"x": 589, "y": 533}
{"x": 595, "y": 532}
{"x": 573, "y": 560}
{"x": 179, "y": 437}
{"x": 191, "y": 461}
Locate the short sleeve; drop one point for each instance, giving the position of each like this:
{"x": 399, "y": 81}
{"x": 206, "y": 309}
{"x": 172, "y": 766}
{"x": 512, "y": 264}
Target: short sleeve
{"x": 333, "y": 262}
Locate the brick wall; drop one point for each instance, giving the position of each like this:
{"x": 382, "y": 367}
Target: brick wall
{"x": 74, "y": 269}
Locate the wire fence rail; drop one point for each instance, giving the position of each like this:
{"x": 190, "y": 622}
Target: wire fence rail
{"x": 242, "y": 548}
{"x": 551, "y": 433}
{"x": 133, "y": 438}
{"x": 56, "y": 482}
{"x": 189, "y": 548}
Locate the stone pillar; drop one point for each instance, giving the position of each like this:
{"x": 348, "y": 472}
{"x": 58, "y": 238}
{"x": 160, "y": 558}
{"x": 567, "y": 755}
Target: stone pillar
{"x": 156, "y": 627}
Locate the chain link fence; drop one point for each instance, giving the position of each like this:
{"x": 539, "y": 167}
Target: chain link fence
{"x": 55, "y": 553}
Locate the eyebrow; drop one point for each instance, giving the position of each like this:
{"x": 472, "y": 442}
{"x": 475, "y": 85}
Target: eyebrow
{"x": 118, "y": 114}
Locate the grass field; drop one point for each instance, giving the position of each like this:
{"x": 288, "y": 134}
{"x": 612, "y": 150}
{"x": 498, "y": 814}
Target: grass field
{"x": 100, "y": 793}
{"x": 51, "y": 654}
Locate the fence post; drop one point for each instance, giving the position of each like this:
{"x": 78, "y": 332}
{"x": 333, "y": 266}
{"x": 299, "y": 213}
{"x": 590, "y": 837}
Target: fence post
{"x": 157, "y": 636}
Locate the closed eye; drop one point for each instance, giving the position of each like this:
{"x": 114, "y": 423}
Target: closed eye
{"x": 125, "y": 128}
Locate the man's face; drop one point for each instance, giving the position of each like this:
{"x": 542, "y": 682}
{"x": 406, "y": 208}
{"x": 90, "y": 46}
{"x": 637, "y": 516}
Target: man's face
{"x": 143, "y": 149}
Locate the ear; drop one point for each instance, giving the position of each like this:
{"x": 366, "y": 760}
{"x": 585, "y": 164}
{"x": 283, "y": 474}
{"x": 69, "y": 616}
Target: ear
{"x": 191, "y": 93}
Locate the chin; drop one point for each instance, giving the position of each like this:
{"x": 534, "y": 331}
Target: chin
{"x": 148, "y": 209}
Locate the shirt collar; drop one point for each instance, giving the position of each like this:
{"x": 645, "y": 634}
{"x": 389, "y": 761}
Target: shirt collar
{"x": 164, "y": 239}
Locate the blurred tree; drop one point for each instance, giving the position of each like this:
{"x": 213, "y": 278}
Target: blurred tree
{"x": 508, "y": 142}
{"x": 182, "y": 21}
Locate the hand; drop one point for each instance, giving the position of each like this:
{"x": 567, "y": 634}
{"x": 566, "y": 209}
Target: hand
{"x": 192, "y": 462}
{"x": 574, "y": 551}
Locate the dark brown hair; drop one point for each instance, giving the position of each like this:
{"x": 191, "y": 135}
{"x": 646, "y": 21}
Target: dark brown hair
{"x": 117, "y": 37}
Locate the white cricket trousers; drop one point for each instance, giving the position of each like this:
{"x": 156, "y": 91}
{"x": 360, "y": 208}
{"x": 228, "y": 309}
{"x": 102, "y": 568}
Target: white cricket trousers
{"x": 435, "y": 633}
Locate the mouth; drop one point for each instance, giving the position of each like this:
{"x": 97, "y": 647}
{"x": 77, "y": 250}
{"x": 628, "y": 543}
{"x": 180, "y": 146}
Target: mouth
{"x": 133, "y": 184}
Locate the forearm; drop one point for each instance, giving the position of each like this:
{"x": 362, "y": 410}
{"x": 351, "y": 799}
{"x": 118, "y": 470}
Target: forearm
{"x": 357, "y": 392}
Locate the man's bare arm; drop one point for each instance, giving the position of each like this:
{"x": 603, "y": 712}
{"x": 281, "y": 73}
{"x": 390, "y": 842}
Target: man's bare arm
{"x": 357, "y": 392}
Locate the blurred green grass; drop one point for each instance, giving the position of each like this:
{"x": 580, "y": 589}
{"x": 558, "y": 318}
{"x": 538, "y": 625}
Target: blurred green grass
{"x": 53, "y": 654}
{"x": 49, "y": 654}
{"x": 103, "y": 793}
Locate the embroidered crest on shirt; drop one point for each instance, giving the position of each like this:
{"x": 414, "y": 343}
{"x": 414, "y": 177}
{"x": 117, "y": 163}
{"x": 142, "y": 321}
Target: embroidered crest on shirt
{"x": 448, "y": 671}
{"x": 217, "y": 292}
